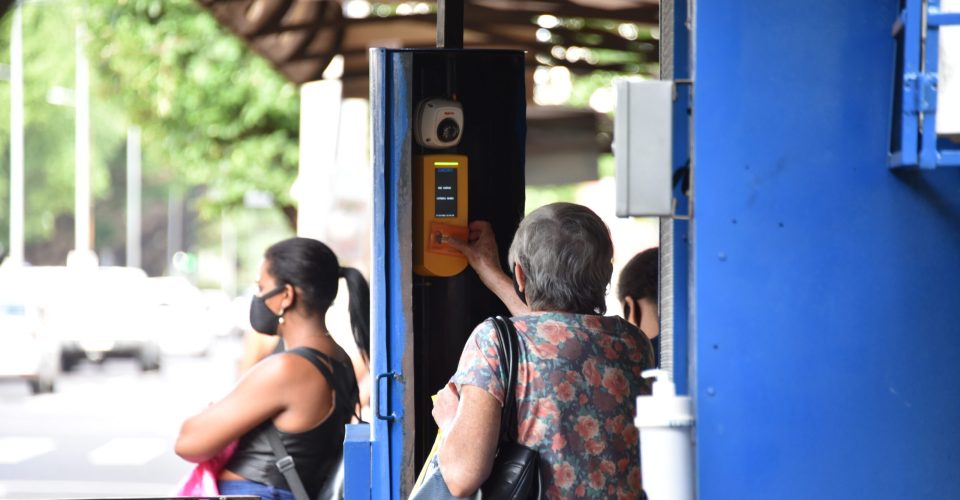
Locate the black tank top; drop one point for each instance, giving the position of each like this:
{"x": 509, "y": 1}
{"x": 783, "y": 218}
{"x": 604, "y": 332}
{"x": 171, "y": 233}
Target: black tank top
{"x": 315, "y": 452}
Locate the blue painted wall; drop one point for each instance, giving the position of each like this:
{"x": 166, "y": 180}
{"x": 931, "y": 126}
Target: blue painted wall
{"x": 826, "y": 287}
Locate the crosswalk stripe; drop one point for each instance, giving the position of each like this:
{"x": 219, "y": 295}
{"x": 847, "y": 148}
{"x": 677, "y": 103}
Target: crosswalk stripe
{"x": 128, "y": 451}
{"x": 19, "y": 488}
{"x": 14, "y": 450}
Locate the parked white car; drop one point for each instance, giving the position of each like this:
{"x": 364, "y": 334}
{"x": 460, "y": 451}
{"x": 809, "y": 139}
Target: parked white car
{"x": 105, "y": 314}
{"x": 29, "y": 349}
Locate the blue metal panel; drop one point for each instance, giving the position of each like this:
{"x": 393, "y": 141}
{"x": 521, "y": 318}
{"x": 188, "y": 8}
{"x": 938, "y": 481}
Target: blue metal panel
{"x": 936, "y": 18}
{"x": 928, "y": 93}
{"x": 825, "y": 286}
{"x": 681, "y": 227}
{"x": 390, "y": 109}
{"x": 949, "y": 159}
{"x": 356, "y": 462}
{"x": 378, "y": 357}
{"x": 681, "y": 298}
{"x": 912, "y": 19}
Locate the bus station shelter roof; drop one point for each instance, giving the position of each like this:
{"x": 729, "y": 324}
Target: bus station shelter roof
{"x": 300, "y": 38}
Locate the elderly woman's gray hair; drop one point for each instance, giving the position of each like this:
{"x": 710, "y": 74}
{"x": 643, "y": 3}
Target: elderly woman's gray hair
{"x": 566, "y": 254}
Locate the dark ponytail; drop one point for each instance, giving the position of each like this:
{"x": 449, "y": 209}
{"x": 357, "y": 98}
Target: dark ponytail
{"x": 312, "y": 267}
{"x": 359, "y": 306}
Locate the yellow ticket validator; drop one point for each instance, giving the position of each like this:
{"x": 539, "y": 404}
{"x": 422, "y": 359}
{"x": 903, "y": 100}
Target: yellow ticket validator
{"x": 440, "y": 209}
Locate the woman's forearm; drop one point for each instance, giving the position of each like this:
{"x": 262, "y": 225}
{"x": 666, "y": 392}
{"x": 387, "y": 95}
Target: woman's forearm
{"x": 502, "y": 286}
{"x": 190, "y": 444}
{"x": 205, "y": 434}
{"x": 470, "y": 442}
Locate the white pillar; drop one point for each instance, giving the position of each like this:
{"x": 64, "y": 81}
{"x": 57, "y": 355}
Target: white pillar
{"x": 320, "y": 104}
{"x": 16, "y": 138}
{"x": 174, "y": 226}
{"x": 133, "y": 196}
{"x": 82, "y": 208}
{"x": 228, "y": 251}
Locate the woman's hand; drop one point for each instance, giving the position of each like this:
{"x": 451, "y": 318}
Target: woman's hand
{"x": 445, "y": 406}
{"x": 480, "y": 249}
{"x": 481, "y": 252}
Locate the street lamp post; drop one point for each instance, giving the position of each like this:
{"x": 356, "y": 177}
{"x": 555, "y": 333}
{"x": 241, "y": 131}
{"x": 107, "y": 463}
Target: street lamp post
{"x": 82, "y": 253}
{"x": 133, "y": 196}
{"x": 16, "y": 256}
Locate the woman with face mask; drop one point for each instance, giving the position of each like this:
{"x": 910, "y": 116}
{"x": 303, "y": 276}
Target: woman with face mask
{"x": 307, "y": 393}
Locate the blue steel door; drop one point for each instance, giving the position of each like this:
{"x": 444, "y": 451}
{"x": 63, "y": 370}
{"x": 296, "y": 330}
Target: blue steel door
{"x": 490, "y": 86}
{"x": 391, "y": 273}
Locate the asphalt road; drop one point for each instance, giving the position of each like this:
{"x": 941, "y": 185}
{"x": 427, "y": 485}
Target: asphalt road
{"x": 108, "y": 430}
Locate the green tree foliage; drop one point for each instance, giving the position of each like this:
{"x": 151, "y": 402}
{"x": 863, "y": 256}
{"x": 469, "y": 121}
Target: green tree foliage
{"x": 48, "y": 62}
{"x": 212, "y": 111}
{"x": 213, "y": 114}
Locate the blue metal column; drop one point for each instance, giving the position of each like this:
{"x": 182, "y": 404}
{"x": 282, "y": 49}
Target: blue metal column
{"x": 825, "y": 285}
{"x": 910, "y": 22}
{"x": 927, "y": 88}
{"x": 391, "y": 261}
{"x": 675, "y": 65}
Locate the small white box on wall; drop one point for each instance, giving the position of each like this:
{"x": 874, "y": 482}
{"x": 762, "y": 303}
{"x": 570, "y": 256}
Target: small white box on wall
{"x": 643, "y": 147}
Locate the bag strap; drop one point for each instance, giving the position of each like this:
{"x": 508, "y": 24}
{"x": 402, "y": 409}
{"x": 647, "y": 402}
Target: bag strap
{"x": 338, "y": 384}
{"x": 509, "y": 359}
{"x": 286, "y": 465}
{"x": 284, "y": 460}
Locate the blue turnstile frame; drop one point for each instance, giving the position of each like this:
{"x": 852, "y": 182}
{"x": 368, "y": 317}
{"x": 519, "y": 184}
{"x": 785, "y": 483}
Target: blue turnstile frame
{"x": 915, "y": 141}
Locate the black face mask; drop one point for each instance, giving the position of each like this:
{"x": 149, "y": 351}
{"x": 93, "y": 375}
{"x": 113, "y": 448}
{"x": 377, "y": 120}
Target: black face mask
{"x": 262, "y": 319}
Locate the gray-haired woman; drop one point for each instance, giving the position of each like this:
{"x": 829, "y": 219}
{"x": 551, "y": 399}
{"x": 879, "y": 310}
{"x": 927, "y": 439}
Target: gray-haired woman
{"x": 579, "y": 371}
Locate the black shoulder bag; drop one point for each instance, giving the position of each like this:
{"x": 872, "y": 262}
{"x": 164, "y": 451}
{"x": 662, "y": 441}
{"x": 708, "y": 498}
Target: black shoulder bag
{"x": 516, "y": 468}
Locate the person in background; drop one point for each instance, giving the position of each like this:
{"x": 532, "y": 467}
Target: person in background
{"x": 579, "y": 371}
{"x": 257, "y": 346}
{"x": 307, "y": 393}
{"x": 637, "y": 290}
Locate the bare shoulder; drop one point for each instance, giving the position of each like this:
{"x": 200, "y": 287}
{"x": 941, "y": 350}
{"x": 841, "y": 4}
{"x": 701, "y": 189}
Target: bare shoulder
{"x": 278, "y": 370}
{"x": 296, "y": 366}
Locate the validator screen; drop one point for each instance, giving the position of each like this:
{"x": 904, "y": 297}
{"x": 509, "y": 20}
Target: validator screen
{"x": 445, "y": 198}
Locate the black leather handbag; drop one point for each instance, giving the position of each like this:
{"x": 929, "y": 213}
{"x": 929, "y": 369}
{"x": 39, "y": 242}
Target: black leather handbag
{"x": 516, "y": 468}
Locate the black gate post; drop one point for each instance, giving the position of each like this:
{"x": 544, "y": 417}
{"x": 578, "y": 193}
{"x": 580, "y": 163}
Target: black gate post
{"x": 450, "y": 24}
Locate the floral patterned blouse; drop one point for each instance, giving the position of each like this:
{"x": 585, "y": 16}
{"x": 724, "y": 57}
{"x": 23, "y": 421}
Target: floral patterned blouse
{"x": 578, "y": 379}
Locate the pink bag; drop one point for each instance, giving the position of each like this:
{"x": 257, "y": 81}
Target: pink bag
{"x": 202, "y": 480}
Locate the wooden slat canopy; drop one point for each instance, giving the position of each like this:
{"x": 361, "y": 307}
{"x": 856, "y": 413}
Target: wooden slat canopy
{"x": 301, "y": 37}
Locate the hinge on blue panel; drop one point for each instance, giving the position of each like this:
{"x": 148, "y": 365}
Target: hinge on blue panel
{"x": 921, "y": 92}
